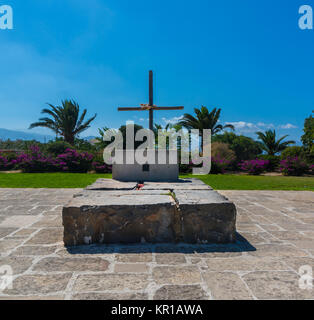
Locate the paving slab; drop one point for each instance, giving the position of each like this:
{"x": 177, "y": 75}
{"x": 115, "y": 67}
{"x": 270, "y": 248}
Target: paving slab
{"x": 251, "y": 268}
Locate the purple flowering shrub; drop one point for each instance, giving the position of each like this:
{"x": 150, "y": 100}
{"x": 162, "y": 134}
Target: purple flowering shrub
{"x": 35, "y": 161}
{"x": 4, "y": 163}
{"x": 100, "y": 167}
{"x": 294, "y": 166}
{"x": 8, "y": 161}
{"x": 220, "y": 164}
{"x": 70, "y": 161}
{"x": 74, "y": 161}
{"x": 254, "y": 167}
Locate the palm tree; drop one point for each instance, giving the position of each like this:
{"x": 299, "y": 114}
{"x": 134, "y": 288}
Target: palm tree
{"x": 64, "y": 120}
{"x": 270, "y": 144}
{"x": 204, "y": 120}
{"x": 168, "y": 130}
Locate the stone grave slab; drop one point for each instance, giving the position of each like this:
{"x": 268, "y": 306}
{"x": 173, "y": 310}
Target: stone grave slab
{"x": 110, "y": 184}
{"x": 119, "y": 217}
{"x": 182, "y": 184}
{"x": 207, "y": 216}
{"x": 188, "y": 211}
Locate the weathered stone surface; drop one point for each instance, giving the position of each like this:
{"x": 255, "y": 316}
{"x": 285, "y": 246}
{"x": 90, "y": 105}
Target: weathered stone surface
{"x": 227, "y": 286}
{"x": 34, "y": 251}
{"x": 245, "y": 263}
{"x": 181, "y": 293}
{"x": 51, "y": 221}
{"x": 110, "y": 296}
{"x": 8, "y": 245}
{"x": 297, "y": 263}
{"x": 83, "y": 251}
{"x": 39, "y": 284}
{"x": 23, "y": 233}
{"x": 182, "y": 184}
{"x": 118, "y": 217}
{"x": 277, "y": 285}
{"x": 177, "y": 275}
{"x": 18, "y": 264}
{"x": 131, "y": 268}
{"x": 133, "y": 258}
{"x": 253, "y": 238}
{"x": 206, "y": 217}
{"x": 170, "y": 258}
{"x": 37, "y": 298}
{"x": 277, "y": 250}
{"x": 71, "y": 264}
{"x": 91, "y": 283}
{"x": 47, "y": 236}
{"x": 6, "y": 231}
{"x": 193, "y": 214}
{"x": 113, "y": 185}
{"x": 245, "y": 258}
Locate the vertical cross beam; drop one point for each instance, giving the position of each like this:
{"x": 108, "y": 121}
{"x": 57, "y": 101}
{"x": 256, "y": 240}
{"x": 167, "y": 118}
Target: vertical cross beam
{"x": 151, "y": 101}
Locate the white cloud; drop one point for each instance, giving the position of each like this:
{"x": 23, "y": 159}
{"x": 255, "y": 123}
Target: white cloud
{"x": 239, "y": 125}
{"x": 173, "y": 120}
{"x": 265, "y": 125}
{"x": 244, "y": 126}
{"x": 287, "y": 126}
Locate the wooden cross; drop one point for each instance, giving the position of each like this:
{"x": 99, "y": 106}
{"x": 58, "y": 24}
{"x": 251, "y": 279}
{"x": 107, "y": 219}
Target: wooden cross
{"x": 150, "y": 106}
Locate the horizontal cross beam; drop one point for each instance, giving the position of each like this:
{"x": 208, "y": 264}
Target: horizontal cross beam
{"x": 150, "y": 108}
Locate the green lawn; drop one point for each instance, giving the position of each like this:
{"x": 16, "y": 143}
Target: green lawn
{"x": 219, "y": 182}
{"x": 48, "y": 180}
{"x": 244, "y": 182}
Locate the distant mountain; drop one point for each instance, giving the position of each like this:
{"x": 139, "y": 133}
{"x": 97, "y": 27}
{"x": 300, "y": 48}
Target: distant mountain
{"x": 6, "y": 134}
{"x": 89, "y": 138}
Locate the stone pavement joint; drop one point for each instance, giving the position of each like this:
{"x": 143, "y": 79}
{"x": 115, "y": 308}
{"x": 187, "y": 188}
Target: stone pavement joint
{"x": 275, "y": 238}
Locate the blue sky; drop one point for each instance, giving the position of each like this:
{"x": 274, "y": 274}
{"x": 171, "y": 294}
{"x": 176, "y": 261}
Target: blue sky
{"x": 247, "y": 57}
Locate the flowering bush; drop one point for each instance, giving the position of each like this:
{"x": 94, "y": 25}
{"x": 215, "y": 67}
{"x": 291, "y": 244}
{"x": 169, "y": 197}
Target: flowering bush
{"x": 254, "y": 167}
{"x": 3, "y": 163}
{"x": 74, "y": 161}
{"x": 101, "y": 167}
{"x": 8, "y": 161}
{"x": 36, "y": 161}
{"x": 294, "y": 166}
{"x": 220, "y": 164}
{"x": 273, "y": 163}
{"x": 311, "y": 169}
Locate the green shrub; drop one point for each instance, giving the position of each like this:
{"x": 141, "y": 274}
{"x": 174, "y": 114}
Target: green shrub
{"x": 245, "y": 148}
{"x": 222, "y": 150}
{"x": 293, "y": 152}
{"x": 57, "y": 147}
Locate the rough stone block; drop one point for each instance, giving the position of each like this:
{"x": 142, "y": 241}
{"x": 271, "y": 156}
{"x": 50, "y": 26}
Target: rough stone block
{"x": 206, "y": 216}
{"x": 187, "y": 211}
{"x": 119, "y": 217}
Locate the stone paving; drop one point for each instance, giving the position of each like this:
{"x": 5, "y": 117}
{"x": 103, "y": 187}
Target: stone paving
{"x": 275, "y": 238}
